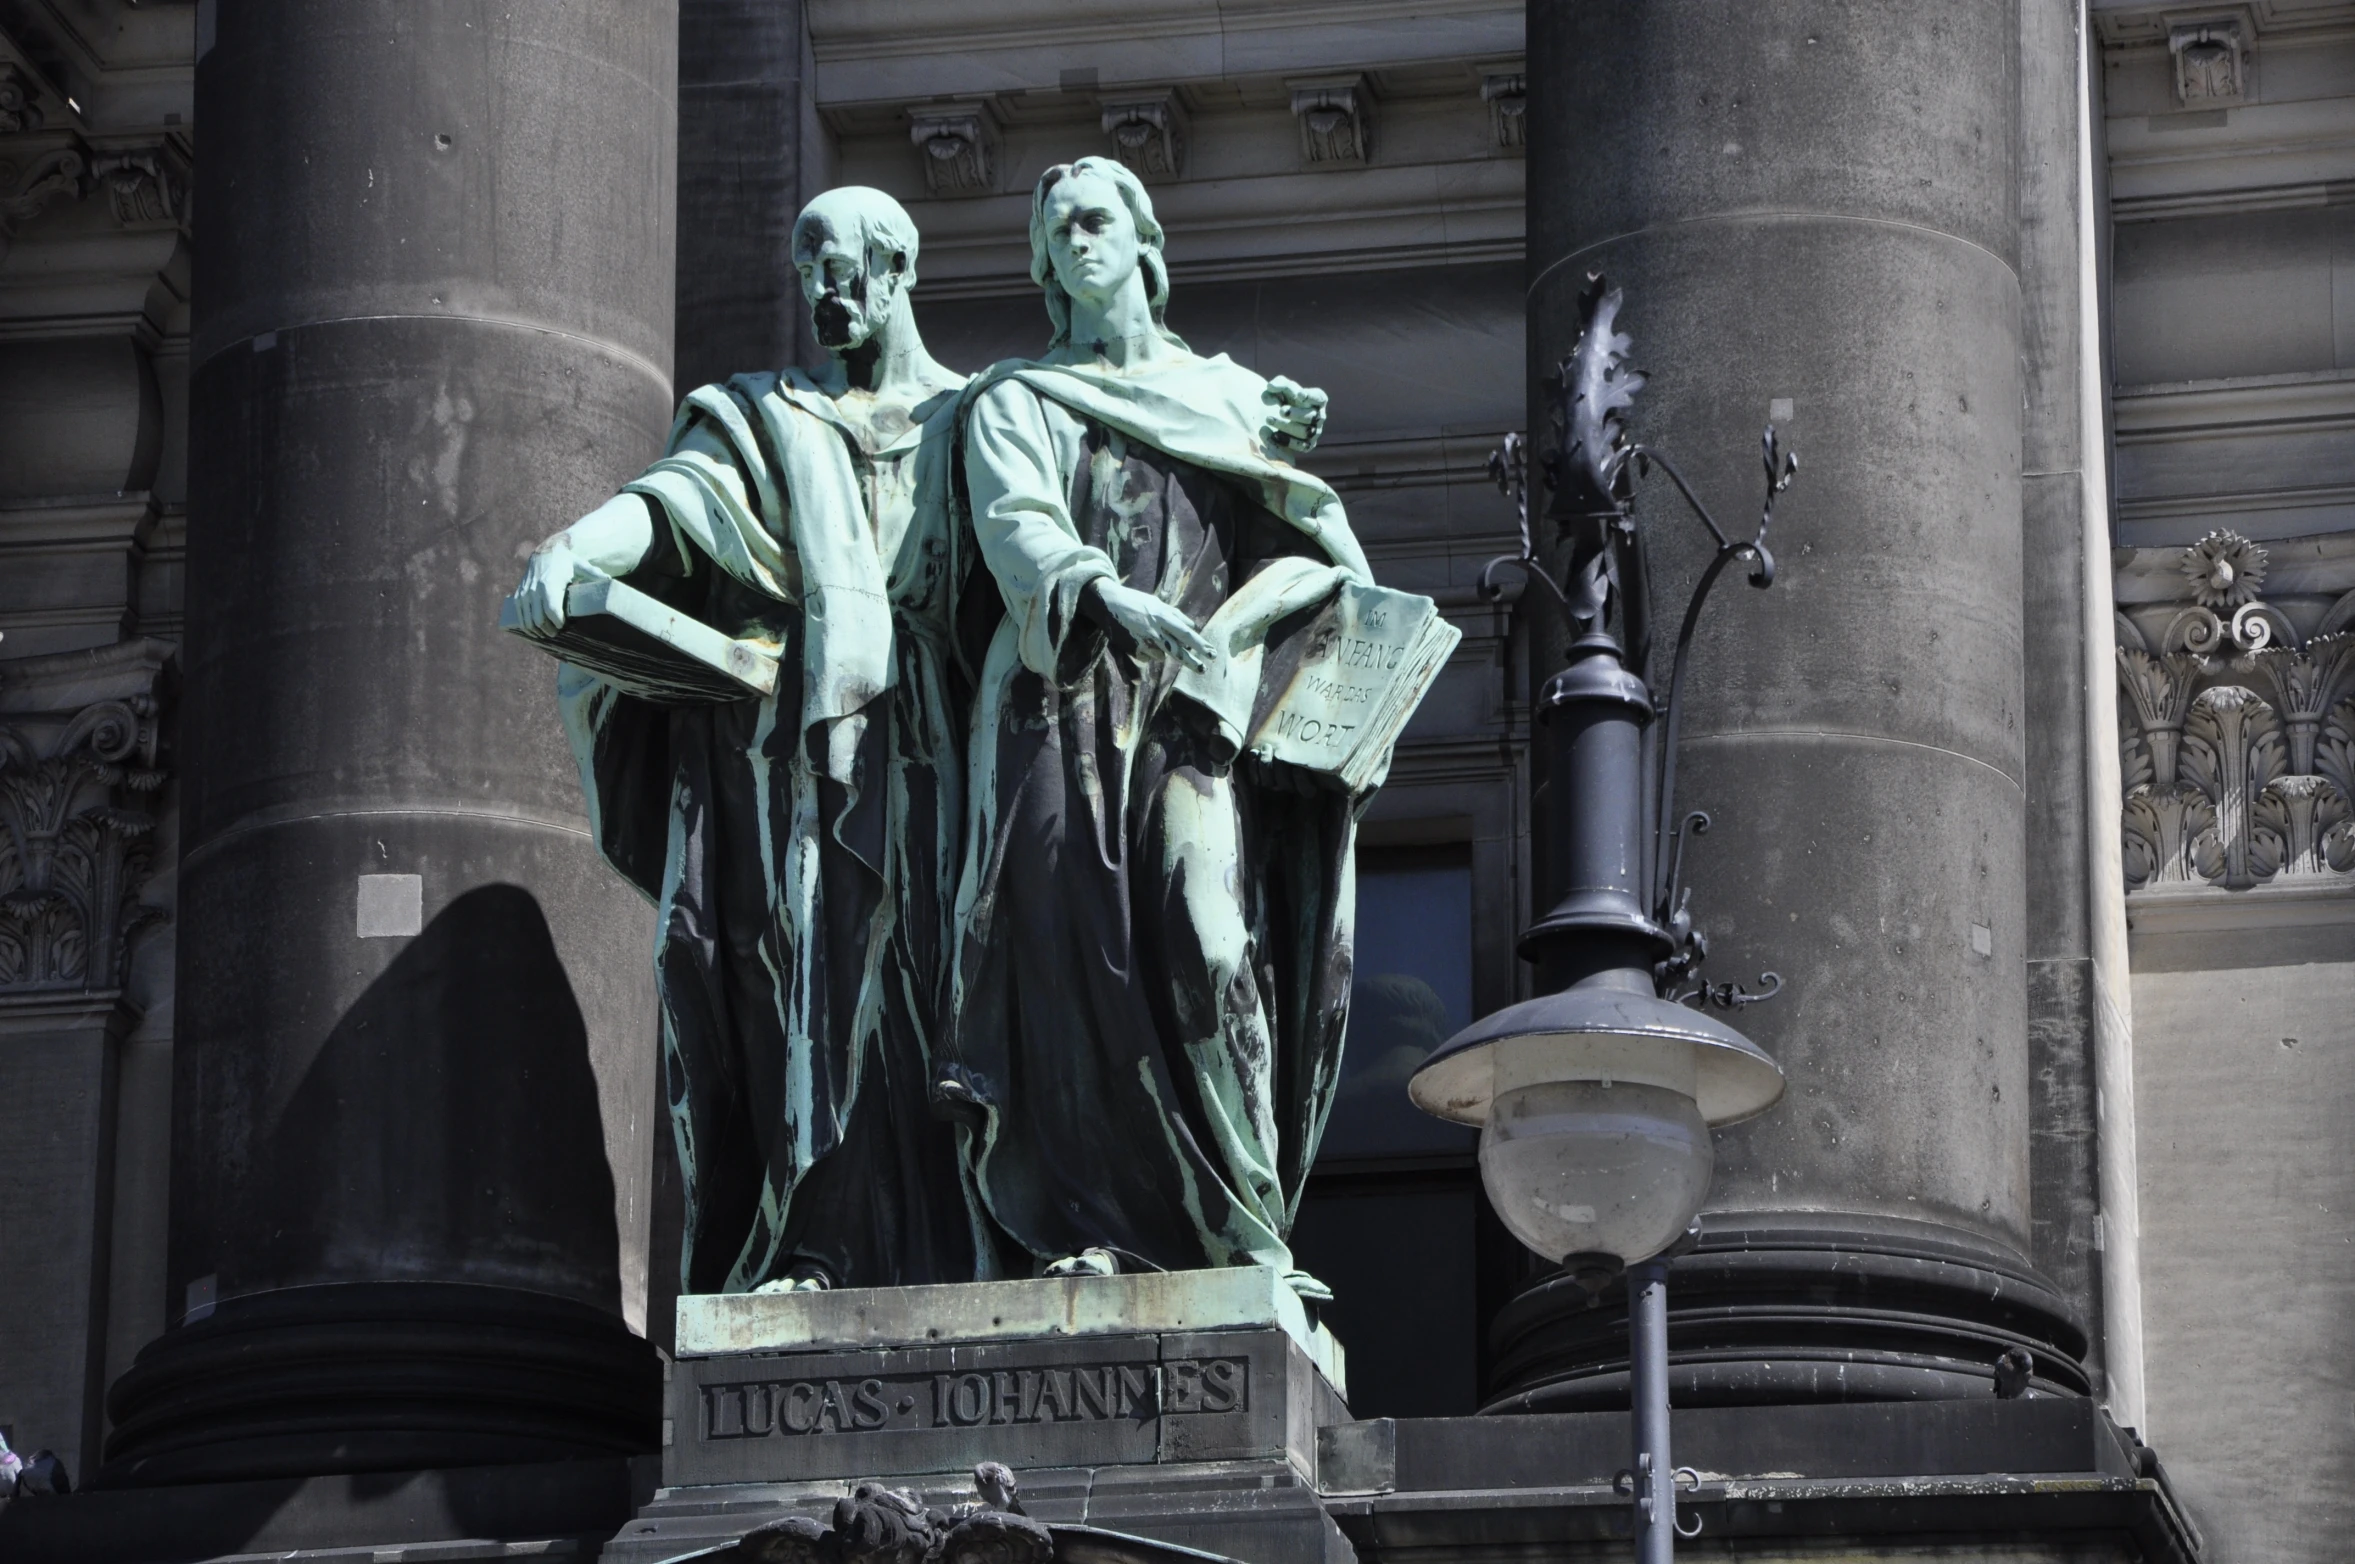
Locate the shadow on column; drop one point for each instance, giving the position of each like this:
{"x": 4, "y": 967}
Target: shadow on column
{"x": 408, "y": 1214}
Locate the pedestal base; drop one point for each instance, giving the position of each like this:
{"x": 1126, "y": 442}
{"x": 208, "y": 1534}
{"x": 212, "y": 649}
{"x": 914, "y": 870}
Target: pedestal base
{"x": 547, "y": 1510}
{"x": 1183, "y": 1407}
{"x": 380, "y": 1377}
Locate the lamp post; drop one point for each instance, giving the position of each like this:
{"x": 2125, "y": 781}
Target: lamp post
{"x": 1595, "y": 1100}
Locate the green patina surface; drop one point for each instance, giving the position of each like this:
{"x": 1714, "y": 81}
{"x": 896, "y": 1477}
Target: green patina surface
{"x": 1018, "y": 916}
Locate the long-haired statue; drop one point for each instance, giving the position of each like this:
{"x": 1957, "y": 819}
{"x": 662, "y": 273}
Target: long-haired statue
{"x": 1153, "y": 922}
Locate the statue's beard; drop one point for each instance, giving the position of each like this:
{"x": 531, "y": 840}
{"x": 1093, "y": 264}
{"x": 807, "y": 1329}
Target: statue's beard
{"x": 837, "y": 327}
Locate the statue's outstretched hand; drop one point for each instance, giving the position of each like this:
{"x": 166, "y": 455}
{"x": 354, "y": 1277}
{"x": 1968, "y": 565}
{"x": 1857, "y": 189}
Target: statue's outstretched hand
{"x": 550, "y": 573}
{"x": 1295, "y": 418}
{"x": 1157, "y": 629}
{"x": 609, "y": 542}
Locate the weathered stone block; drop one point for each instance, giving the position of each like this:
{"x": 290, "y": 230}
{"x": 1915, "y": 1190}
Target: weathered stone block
{"x": 1243, "y": 1297}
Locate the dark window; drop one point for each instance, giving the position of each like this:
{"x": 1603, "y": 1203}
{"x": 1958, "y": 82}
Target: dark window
{"x": 1393, "y": 1218}
{"x": 1413, "y": 991}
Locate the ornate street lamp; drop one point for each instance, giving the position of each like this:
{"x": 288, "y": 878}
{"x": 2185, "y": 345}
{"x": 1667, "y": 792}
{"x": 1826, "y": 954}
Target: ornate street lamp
{"x": 1595, "y": 1101}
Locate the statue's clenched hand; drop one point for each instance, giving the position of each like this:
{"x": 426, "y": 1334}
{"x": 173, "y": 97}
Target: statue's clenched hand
{"x": 1295, "y": 418}
{"x": 1157, "y": 629}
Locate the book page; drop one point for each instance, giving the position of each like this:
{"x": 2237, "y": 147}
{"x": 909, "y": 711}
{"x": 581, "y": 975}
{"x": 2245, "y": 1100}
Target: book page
{"x": 1345, "y": 690}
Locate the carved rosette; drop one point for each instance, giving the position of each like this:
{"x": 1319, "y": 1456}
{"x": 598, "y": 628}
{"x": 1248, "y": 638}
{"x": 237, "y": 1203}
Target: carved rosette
{"x": 2236, "y": 735}
{"x": 20, "y": 101}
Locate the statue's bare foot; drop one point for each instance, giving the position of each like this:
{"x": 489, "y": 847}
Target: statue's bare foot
{"x": 802, "y": 1278}
{"x": 1088, "y": 1262}
{"x": 1310, "y": 1290}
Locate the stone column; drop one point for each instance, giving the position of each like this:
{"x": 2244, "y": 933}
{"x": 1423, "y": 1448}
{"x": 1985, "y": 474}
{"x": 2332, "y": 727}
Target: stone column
{"x": 415, "y": 1025}
{"x": 1813, "y": 209}
{"x": 2069, "y": 1004}
{"x": 749, "y": 150}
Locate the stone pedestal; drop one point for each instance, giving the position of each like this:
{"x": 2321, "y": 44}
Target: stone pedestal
{"x": 1183, "y": 1407}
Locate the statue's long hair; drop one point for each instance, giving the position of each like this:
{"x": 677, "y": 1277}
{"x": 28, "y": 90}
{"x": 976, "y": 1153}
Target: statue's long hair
{"x": 1149, "y": 240}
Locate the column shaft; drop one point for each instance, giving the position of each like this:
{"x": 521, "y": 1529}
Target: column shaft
{"x": 1813, "y": 210}
{"x": 415, "y": 1024}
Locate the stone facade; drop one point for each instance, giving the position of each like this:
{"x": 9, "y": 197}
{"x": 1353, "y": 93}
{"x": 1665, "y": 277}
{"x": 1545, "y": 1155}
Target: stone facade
{"x": 2232, "y": 346}
{"x": 1345, "y": 183}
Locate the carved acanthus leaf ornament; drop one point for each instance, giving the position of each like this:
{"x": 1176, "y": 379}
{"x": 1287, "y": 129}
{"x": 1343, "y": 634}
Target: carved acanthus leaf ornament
{"x": 74, "y": 846}
{"x": 2236, "y": 734}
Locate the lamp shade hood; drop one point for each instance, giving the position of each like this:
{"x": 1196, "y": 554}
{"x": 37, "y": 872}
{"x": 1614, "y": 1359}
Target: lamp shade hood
{"x": 1598, "y": 1031}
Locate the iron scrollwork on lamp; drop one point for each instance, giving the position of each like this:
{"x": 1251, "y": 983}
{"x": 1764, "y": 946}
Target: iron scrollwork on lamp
{"x": 1591, "y": 474}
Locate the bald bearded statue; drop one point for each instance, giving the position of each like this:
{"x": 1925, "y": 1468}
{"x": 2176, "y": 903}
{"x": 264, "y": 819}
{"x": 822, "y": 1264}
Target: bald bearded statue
{"x": 800, "y": 846}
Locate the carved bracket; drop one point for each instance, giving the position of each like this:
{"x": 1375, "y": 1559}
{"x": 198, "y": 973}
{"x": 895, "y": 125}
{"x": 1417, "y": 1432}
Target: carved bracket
{"x": 1507, "y": 96}
{"x": 1148, "y": 132}
{"x": 145, "y": 187}
{"x": 2237, "y": 735}
{"x": 1336, "y": 119}
{"x": 79, "y": 772}
{"x": 32, "y": 177}
{"x": 958, "y": 143}
{"x": 2211, "y": 59}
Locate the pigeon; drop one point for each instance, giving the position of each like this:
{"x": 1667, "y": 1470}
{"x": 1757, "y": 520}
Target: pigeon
{"x": 997, "y": 1530}
{"x": 997, "y": 1488}
{"x": 2011, "y": 1374}
{"x": 44, "y": 1476}
{"x": 879, "y": 1525}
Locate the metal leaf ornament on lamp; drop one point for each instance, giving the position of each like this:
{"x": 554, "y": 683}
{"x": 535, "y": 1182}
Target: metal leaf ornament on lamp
{"x": 1595, "y": 1100}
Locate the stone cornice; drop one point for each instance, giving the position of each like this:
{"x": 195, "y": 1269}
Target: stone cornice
{"x": 2255, "y": 157}
{"x": 129, "y": 66}
{"x": 64, "y": 683}
{"x": 2213, "y": 409}
{"x": 2137, "y": 24}
{"x": 87, "y": 521}
{"x": 1275, "y": 225}
{"x": 872, "y": 50}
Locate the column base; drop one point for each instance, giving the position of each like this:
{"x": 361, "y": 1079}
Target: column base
{"x": 560, "y": 1509}
{"x": 1791, "y": 1308}
{"x": 381, "y": 1376}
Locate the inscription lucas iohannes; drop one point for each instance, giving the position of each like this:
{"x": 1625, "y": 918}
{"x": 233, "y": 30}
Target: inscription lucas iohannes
{"x": 1091, "y": 1393}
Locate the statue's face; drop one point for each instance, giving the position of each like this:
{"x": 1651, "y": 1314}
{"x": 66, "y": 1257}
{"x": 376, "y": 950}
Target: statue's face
{"x": 1091, "y": 238}
{"x": 850, "y": 291}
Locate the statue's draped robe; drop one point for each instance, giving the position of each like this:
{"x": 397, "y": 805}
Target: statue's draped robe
{"x": 801, "y": 848}
{"x": 1153, "y": 932}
